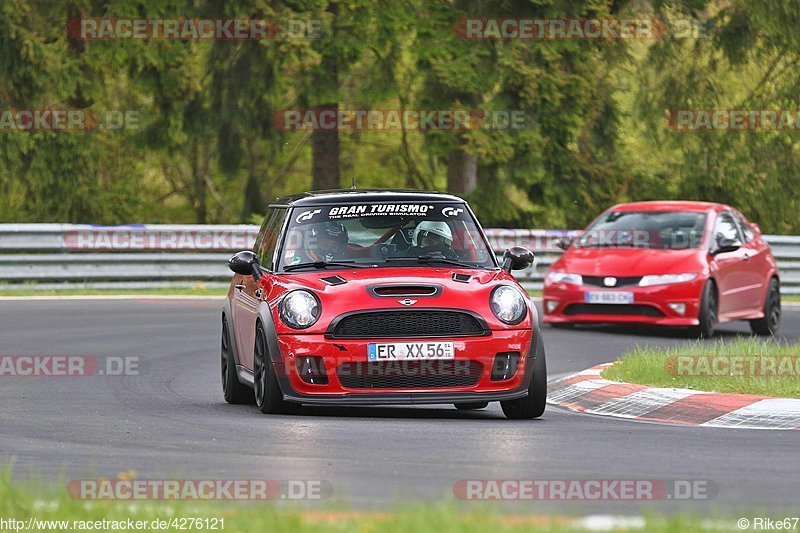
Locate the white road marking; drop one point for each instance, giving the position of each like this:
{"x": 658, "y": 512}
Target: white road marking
{"x": 565, "y": 394}
{"x": 641, "y": 402}
{"x": 772, "y": 413}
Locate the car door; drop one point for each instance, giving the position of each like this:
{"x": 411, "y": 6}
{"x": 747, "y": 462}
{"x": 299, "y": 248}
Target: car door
{"x": 757, "y": 267}
{"x": 248, "y": 292}
{"x": 729, "y": 266}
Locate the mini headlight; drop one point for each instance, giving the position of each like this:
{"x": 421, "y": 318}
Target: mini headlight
{"x": 300, "y": 309}
{"x": 665, "y": 279}
{"x": 508, "y": 304}
{"x": 565, "y": 277}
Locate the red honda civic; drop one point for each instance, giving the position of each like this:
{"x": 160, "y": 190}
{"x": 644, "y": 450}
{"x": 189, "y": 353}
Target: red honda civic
{"x": 692, "y": 264}
{"x": 375, "y": 298}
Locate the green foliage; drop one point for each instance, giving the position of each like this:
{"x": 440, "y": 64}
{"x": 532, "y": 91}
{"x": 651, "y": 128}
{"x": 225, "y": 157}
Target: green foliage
{"x": 206, "y": 149}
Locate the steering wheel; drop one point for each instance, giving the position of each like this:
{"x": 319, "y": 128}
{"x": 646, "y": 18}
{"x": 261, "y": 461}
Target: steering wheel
{"x": 391, "y": 232}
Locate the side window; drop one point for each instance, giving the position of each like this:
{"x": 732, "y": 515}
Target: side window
{"x": 269, "y": 237}
{"x": 261, "y": 231}
{"x": 725, "y": 228}
{"x": 744, "y": 227}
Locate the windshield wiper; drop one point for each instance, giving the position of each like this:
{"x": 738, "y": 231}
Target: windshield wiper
{"x": 424, "y": 260}
{"x": 323, "y": 264}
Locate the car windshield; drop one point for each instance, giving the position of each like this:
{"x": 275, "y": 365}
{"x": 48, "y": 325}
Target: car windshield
{"x": 374, "y": 233}
{"x": 665, "y": 230}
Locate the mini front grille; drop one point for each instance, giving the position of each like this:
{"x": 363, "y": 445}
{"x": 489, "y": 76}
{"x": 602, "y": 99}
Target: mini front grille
{"x": 407, "y": 323}
{"x": 612, "y": 309}
{"x": 412, "y": 374}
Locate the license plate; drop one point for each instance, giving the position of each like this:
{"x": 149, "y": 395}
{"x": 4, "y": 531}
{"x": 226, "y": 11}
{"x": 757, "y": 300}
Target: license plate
{"x": 401, "y": 351}
{"x": 607, "y": 297}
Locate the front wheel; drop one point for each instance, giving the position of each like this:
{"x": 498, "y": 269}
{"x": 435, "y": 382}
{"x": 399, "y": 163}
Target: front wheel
{"x": 771, "y": 323}
{"x": 268, "y": 395}
{"x": 232, "y": 389}
{"x": 533, "y": 405}
{"x": 709, "y": 305}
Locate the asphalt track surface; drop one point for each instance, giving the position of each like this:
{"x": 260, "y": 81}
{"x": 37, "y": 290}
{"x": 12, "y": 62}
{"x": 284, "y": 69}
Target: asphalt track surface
{"x": 171, "y": 421}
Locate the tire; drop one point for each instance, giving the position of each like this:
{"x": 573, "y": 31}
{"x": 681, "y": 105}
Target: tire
{"x": 268, "y": 395}
{"x": 233, "y": 391}
{"x": 472, "y": 406}
{"x": 708, "y": 317}
{"x": 533, "y": 405}
{"x": 770, "y": 325}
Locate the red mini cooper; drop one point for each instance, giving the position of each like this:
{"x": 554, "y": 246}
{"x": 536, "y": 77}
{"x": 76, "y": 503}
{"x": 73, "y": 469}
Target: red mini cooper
{"x": 362, "y": 297}
{"x": 692, "y": 264}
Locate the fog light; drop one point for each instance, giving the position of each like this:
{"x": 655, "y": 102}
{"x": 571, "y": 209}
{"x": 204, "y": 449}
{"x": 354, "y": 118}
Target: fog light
{"x": 311, "y": 369}
{"x": 505, "y": 366}
{"x": 551, "y": 305}
{"x": 678, "y": 308}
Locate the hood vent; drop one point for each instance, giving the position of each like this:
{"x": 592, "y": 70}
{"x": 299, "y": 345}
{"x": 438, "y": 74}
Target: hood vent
{"x": 400, "y": 290}
{"x": 334, "y": 280}
{"x": 461, "y": 278}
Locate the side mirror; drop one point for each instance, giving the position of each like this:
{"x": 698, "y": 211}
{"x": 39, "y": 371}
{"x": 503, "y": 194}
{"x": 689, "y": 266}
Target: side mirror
{"x": 726, "y": 245}
{"x": 517, "y": 258}
{"x": 756, "y": 229}
{"x": 246, "y": 264}
{"x": 564, "y": 243}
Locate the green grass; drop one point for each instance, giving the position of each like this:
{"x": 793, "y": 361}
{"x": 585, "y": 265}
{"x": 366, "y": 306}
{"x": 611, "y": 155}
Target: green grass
{"x": 674, "y": 367}
{"x": 43, "y": 502}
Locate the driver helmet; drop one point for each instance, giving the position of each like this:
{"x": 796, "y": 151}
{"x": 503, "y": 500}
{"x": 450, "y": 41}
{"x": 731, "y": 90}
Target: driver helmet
{"x": 335, "y": 231}
{"x": 437, "y": 228}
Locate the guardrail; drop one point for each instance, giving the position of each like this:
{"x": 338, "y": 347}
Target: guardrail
{"x": 145, "y": 256}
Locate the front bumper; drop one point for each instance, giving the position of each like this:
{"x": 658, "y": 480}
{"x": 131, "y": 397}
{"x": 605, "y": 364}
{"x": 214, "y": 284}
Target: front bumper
{"x": 650, "y": 304}
{"x": 338, "y": 352}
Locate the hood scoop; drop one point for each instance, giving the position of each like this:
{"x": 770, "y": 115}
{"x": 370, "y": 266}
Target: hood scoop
{"x": 334, "y": 280}
{"x": 461, "y": 278}
{"x": 395, "y": 290}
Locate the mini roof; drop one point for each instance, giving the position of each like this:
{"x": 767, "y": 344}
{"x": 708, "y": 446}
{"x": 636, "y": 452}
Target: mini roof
{"x": 337, "y": 196}
{"x": 671, "y": 205}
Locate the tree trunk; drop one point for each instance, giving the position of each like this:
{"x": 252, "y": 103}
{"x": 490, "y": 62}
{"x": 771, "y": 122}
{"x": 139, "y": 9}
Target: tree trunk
{"x": 462, "y": 172}
{"x": 325, "y": 148}
{"x": 254, "y": 201}
{"x": 325, "y": 144}
{"x": 201, "y": 212}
